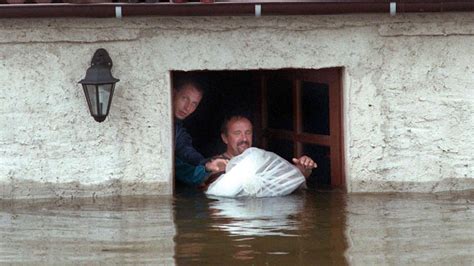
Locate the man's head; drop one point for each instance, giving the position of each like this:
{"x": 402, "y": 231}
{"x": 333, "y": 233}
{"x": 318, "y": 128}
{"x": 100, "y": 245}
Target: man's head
{"x": 186, "y": 97}
{"x": 236, "y": 133}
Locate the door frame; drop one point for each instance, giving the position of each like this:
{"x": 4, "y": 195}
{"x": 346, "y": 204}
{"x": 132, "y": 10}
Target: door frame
{"x": 335, "y": 140}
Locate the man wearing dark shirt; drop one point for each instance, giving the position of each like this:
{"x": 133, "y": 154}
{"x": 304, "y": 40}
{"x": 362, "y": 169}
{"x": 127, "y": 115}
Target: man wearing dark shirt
{"x": 184, "y": 147}
{"x": 186, "y": 97}
{"x": 191, "y": 167}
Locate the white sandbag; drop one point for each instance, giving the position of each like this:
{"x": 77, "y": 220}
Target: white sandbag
{"x": 257, "y": 173}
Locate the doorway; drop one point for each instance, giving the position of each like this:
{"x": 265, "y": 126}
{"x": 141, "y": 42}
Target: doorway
{"x": 294, "y": 111}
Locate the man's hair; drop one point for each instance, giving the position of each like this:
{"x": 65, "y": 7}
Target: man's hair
{"x": 227, "y": 119}
{"x": 182, "y": 82}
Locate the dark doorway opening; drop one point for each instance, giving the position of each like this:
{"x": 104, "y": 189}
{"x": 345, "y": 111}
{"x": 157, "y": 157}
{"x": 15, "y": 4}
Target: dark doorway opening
{"x": 294, "y": 112}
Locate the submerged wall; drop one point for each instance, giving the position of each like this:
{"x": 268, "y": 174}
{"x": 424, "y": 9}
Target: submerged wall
{"x": 408, "y": 96}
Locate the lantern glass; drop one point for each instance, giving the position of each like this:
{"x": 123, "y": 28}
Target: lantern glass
{"x": 91, "y": 97}
{"x": 104, "y": 94}
{"x": 99, "y": 98}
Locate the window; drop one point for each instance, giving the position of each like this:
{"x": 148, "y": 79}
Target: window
{"x": 294, "y": 112}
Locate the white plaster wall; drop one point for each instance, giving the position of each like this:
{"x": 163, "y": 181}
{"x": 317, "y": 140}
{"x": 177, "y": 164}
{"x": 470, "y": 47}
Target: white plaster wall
{"x": 408, "y": 96}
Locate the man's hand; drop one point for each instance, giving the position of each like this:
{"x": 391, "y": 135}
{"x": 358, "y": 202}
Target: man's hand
{"x": 216, "y": 165}
{"x": 305, "y": 164}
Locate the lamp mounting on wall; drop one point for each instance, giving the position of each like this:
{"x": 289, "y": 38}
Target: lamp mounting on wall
{"x": 99, "y": 85}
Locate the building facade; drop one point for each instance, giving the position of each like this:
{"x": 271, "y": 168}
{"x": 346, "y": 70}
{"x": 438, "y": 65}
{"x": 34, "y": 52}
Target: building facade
{"x": 407, "y": 96}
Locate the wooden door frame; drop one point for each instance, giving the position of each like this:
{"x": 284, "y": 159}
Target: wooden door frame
{"x": 335, "y": 139}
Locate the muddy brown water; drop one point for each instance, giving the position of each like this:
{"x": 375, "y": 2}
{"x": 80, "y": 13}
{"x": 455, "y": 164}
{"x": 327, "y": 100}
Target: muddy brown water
{"x": 307, "y": 228}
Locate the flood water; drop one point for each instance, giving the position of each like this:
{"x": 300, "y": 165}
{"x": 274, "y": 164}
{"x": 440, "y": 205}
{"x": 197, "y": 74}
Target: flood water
{"x": 307, "y": 228}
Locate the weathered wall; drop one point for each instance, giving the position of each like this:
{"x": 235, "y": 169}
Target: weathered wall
{"x": 408, "y": 96}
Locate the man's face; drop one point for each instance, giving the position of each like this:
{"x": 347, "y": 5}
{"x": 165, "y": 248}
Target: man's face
{"x": 186, "y": 101}
{"x": 238, "y": 136}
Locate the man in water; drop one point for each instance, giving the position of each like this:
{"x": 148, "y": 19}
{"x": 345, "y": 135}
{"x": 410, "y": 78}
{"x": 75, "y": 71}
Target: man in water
{"x": 236, "y": 133}
{"x": 186, "y": 98}
{"x": 191, "y": 167}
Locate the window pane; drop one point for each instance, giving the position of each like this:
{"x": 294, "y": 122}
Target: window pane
{"x": 320, "y": 154}
{"x": 104, "y": 94}
{"x": 282, "y": 147}
{"x": 315, "y": 107}
{"x": 91, "y": 92}
{"x": 280, "y": 104}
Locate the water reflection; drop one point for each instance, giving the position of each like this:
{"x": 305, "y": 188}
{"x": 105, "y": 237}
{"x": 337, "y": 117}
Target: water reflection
{"x": 258, "y": 216}
{"x": 309, "y": 228}
{"x": 85, "y": 231}
{"x": 411, "y": 229}
{"x": 306, "y": 228}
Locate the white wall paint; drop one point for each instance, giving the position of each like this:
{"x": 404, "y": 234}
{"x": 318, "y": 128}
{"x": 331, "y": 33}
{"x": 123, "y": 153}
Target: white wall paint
{"x": 408, "y": 91}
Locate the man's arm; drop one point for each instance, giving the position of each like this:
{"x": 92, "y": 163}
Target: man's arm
{"x": 189, "y": 174}
{"x": 184, "y": 147}
{"x": 305, "y": 164}
{"x": 196, "y": 175}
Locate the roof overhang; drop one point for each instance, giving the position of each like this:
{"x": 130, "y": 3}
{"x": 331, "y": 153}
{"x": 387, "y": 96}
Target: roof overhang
{"x": 234, "y": 8}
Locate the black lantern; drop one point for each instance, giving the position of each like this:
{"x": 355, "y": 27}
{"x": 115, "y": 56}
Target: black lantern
{"x": 99, "y": 85}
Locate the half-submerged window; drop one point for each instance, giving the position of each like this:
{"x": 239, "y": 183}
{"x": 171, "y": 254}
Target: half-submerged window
{"x": 294, "y": 112}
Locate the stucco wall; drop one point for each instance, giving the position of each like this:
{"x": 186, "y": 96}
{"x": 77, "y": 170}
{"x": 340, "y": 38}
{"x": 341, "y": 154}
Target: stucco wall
{"x": 408, "y": 96}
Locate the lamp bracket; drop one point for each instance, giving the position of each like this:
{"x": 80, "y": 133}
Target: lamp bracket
{"x": 101, "y": 57}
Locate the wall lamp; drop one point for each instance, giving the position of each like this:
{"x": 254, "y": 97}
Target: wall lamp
{"x": 99, "y": 85}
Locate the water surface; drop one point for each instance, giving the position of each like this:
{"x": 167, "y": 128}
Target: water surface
{"x": 307, "y": 228}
